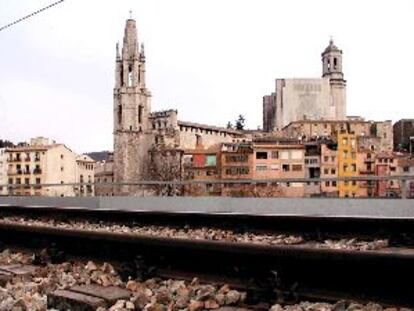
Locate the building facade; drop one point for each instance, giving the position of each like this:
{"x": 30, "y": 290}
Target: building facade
{"x": 104, "y": 177}
{"x": 85, "y": 167}
{"x": 376, "y": 133}
{"x": 41, "y": 162}
{"x": 138, "y": 132}
{"x": 404, "y": 135}
{"x": 308, "y": 99}
{"x": 3, "y": 171}
{"x": 347, "y": 164}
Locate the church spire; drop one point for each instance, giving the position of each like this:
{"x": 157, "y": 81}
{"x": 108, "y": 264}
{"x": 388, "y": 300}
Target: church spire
{"x": 130, "y": 44}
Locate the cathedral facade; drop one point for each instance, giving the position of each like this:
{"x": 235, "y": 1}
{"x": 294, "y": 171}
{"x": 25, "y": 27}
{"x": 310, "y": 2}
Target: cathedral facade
{"x": 308, "y": 99}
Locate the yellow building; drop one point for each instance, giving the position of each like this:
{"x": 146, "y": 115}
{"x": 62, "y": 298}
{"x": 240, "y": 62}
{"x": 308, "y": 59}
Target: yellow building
{"x": 347, "y": 164}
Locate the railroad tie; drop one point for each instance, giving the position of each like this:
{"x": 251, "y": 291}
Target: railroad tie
{"x": 8, "y": 272}
{"x": 86, "y": 297}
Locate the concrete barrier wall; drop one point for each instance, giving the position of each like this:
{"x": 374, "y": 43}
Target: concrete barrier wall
{"x": 375, "y": 208}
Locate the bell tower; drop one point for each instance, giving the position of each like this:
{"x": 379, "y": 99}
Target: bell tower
{"x": 332, "y": 70}
{"x": 132, "y": 108}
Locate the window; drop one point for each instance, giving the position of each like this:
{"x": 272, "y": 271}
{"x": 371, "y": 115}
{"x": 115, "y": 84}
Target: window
{"x": 326, "y": 171}
{"x": 345, "y": 168}
{"x": 333, "y": 171}
{"x": 327, "y": 184}
{"x": 392, "y": 168}
{"x": 333, "y": 158}
{"x": 345, "y": 154}
{"x": 354, "y": 183}
{"x": 406, "y": 169}
{"x": 353, "y": 167}
{"x": 334, "y": 183}
{"x": 326, "y": 158}
{"x": 346, "y": 183}
{"x": 285, "y": 167}
{"x": 275, "y": 154}
{"x": 261, "y": 155}
{"x": 345, "y": 141}
{"x": 261, "y": 167}
{"x": 61, "y": 156}
{"x": 61, "y": 168}
{"x": 236, "y": 158}
{"x": 274, "y": 167}
{"x": 296, "y": 167}
{"x": 130, "y": 76}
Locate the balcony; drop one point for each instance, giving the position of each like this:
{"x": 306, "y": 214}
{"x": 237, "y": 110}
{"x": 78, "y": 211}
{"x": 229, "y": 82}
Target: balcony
{"x": 27, "y": 159}
{"x": 366, "y": 172}
{"x": 367, "y": 184}
{"x": 18, "y": 159}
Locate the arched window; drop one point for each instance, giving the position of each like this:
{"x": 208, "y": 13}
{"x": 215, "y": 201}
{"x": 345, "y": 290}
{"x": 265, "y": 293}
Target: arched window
{"x": 335, "y": 63}
{"x": 130, "y": 76}
{"x": 139, "y": 114}
{"x": 119, "y": 114}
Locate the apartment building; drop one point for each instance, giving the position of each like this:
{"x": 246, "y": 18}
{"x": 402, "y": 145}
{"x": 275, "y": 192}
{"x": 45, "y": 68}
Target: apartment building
{"x": 406, "y": 167}
{"x": 280, "y": 158}
{"x": 85, "y": 167}
{"x": 237, "y": 163}
{"x": 329, "y": 169}
{"x": 42, "y": 161}
{"x": 202, "y": 165}
{"x": 347, "y": 164}
{"x": 3, "y": 171}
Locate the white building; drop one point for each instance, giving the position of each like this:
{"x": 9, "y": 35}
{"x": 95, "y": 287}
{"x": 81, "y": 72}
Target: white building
{"x": 309, "y": 98}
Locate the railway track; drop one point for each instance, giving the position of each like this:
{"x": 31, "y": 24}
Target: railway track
{"x": 267, "y": 272}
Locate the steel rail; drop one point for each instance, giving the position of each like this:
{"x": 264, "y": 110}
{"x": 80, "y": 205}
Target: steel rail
{"x": 380, "y": 275}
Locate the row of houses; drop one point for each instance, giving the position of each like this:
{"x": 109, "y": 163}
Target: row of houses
{"x": 26, "y": 168}
{"x": 276, "y": 158}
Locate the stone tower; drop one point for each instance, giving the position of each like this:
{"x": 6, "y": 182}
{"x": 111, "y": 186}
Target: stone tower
{"x": 332, "y": 69}
{"x": 132, "y": 107}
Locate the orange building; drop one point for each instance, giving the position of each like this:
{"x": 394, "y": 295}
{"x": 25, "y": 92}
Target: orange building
{"x": 278, "y": 158}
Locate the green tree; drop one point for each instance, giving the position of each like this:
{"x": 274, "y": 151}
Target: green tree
{"x": 240, "y": 122}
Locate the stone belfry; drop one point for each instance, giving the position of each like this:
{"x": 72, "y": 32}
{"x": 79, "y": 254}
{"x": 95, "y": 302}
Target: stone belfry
{"x": 332, "y": 69}
{"x": 132, "y": 107}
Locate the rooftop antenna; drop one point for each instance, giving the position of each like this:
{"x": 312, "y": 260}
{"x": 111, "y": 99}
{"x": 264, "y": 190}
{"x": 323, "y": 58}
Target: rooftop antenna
{"x": 130, "y": 14}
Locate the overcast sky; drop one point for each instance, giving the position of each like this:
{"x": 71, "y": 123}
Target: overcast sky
{"x": 210, "y": 59}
